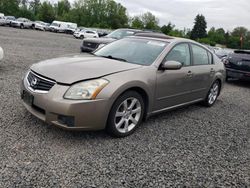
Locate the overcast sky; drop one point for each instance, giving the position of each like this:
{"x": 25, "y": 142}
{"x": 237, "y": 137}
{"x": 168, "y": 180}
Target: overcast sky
{"x": 219, "y": 13}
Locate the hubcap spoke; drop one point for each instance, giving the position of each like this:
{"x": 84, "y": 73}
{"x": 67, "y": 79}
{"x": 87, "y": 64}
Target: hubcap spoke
{"x": 134, "y": 121}
{"x": 118, "y": 125}
{"x": 137, "y": 110}
{"x": 119, "y": 114}
{"x": 126, "y": 126}
{"x": 125, "y": 105}
{"x": 134, "y": 101}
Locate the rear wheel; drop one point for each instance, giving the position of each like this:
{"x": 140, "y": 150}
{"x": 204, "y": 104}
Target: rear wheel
{"x": 213, "y": 94}
{"x": 126, "y": 114}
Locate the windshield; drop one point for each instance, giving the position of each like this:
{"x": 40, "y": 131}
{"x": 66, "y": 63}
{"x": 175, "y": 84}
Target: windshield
{"x": 135, "y": 51}
{"x": 118, "y": 34}
{"x": 55, "y": 24}
{"x": 20, "y": 19}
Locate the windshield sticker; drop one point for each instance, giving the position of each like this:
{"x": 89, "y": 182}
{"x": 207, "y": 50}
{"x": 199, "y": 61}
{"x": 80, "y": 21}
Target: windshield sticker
{"x": 155, "y": 43}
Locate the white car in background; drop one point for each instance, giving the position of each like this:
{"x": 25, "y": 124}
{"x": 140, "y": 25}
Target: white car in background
{"x": 2, "y": 20}
{"x": 23, "y": 23}
{"x": 86, "y": 34}
{"x": 39, "y": 25}
{"x": 1, "y": 53}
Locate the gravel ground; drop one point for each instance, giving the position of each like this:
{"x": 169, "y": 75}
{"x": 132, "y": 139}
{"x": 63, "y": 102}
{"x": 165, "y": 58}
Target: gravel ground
{"x": 192, "y": 146}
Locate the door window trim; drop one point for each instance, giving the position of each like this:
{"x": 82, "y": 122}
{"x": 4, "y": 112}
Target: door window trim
{"x": 190, "y": 54}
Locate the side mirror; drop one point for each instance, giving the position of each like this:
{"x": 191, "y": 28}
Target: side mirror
{"x": 171, "y": 65}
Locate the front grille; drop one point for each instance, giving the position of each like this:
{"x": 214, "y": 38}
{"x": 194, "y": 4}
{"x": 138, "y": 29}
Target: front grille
{"x": 38, "y": 83}
{"x": 90, "y": 44}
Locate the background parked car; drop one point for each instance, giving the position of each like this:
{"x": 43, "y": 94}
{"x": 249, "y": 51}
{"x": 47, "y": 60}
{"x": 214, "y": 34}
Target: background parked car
{"x": 23, "y": 23}
{"x": 57, "y": 26}
{"x": 85, "y": 34}
{"x": 91, "y": 44}
{"x": 2, "y": 20}
{"x": 222, "y": 53}
{"x": 63, "y": 27}
{"x": 9, "y": 20}
{"x": 39, "y": 25}
{"x": 70, "y": 28}
{"x": 238, "y": 64}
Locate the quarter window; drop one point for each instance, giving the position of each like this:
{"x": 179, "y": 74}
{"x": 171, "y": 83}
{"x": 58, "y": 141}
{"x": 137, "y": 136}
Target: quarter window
{"x": 180, "y": 53}
{"x": 200, "y": 55}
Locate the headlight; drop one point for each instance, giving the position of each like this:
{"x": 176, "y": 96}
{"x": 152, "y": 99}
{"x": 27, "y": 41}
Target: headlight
{"x": 86, "y": 90}
{"x": 101, "y": 45}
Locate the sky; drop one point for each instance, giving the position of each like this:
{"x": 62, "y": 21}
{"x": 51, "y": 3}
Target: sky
{"x": 218, "y": 13}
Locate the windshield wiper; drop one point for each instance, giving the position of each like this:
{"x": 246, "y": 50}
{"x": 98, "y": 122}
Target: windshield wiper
{"x": 115, "y": 58}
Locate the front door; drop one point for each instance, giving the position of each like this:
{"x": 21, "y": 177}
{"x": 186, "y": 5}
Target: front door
{"x": 174, "y": 87}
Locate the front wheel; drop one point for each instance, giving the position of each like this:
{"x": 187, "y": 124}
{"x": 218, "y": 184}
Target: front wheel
{"x": 213, "y": 94}
{"x": 126, "y": 114}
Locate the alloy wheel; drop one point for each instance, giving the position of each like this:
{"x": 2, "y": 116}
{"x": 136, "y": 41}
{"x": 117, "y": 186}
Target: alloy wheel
{"x": 213, "y": 94}
{"x": 128, "y": 115}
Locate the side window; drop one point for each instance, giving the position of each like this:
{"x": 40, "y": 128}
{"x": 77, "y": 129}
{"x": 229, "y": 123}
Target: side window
{"x": 200, "y": 55}
{"x": 180, "y": 53}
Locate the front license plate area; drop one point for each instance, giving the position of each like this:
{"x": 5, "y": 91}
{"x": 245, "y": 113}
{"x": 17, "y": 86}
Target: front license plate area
{"x": 27, "y": 98}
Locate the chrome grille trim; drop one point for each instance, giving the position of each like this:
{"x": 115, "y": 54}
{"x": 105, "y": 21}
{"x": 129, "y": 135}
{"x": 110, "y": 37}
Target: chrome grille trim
{"x": 43, "y": 86}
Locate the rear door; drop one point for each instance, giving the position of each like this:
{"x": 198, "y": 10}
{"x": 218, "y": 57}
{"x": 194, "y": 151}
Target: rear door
{"x": 203, "y": 70}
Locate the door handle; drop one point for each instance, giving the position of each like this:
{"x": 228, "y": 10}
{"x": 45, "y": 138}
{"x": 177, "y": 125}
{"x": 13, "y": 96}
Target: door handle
{"x": 189, "y": 74}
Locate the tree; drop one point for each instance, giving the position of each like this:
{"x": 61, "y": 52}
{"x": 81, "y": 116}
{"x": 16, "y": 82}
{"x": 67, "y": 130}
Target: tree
{"x": 34, "y": 6}
{"x": 137, "y": 23}
{"x": 63, "y": 8}
{"x": 150, "y": 21}
{"x": 145, "y": 21}
{"x": 46, "y": 12}
{"x": 199, "y": 29}
{"x": 9, "y": 7}
{"x": 166, "y": 29}
{"x": 217, "y": 35}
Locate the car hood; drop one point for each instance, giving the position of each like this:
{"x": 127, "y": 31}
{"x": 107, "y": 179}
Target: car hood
{"x": 102, "y": 40}
{"x": 15, "y": 21}
{"x": 71, "y": 69}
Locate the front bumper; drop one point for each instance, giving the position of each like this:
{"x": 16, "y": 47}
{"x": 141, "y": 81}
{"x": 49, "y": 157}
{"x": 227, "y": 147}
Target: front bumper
{"x": 52, "y": 108}
{"x": 15, "y": 24}
{"x": 242, "y": 75}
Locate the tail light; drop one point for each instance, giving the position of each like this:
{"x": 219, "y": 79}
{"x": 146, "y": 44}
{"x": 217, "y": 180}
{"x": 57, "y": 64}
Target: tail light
{"x": 225, "y": 61}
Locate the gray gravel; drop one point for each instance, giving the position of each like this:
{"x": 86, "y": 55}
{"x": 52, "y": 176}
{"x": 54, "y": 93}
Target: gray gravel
{"x": 192, "y": 146}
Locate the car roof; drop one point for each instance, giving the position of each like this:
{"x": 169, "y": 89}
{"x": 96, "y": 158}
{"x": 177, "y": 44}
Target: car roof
{"x": 127, "y": 29}
{"x": 161, "y": 37}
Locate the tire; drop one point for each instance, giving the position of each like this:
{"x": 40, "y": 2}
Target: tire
{"x": 213, "y": 94}
{"x": 126, "y": 114}
{"x": 21, "y": 26}
{"x": 82, "y": 37}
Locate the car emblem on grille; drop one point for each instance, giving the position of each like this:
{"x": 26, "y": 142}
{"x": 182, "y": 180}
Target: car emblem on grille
{"x": 239, "y": 63}
{"x": 34, "y": 82}
{"x": 89, "y": 44}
